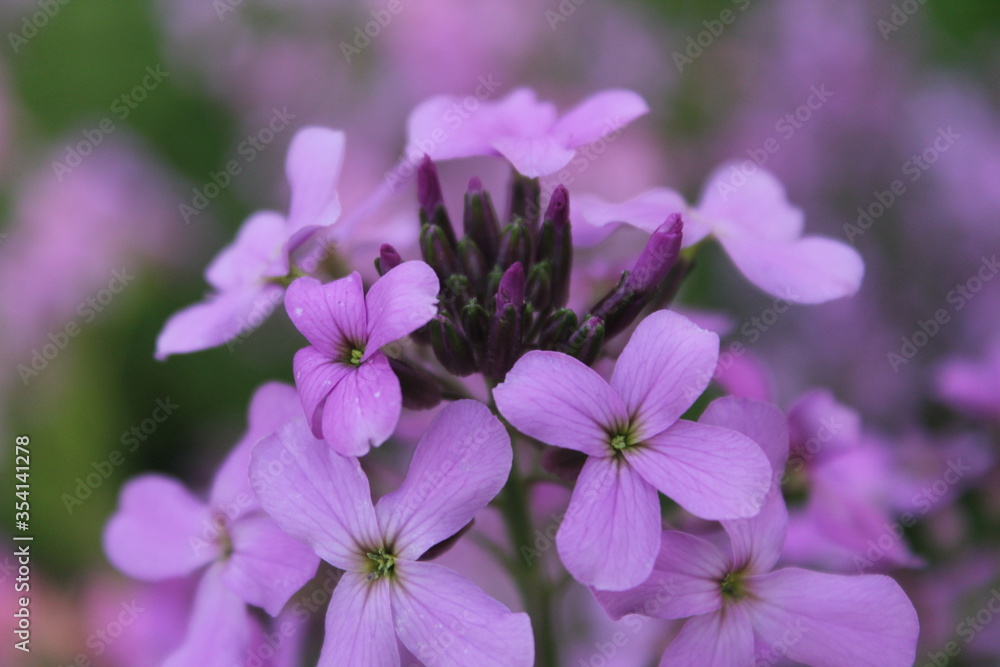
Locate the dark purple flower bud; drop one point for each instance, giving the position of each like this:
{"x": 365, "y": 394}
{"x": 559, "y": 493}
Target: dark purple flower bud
{"x": 438, "y": 251}
{"x": 539, "y": 290}
{"x": 476, "y": 323}
{"x": 555, "y": 244}
{"x": 515, "y": 245}
{"x": 511, "y": 290}
{"x": 556, "y": 329}
{"x": 503, "y": 346}
{"x": 585, "y": 343}
{"x": 658, "y": 257}
{"x": 452, "y": 347}
{"x": 432, "y": 210}
{"x": 421, "y": 390}
{"x": 480, "y": 221}
{"x": 525, "y": 194}
{"x": 388, "y": 259}
{"x": 473, "y": 263}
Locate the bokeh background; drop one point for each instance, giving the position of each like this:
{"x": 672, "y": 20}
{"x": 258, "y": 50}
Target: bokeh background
{"x": 114, "y": 114}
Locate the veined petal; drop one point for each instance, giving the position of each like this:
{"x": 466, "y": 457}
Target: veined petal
{"x": 663, "y": 369}
{"x": 461, "y": 462}
{"x": 597, "y": 116}
{"x": 610, "y": 535}
{"x": 254, "y": 255}
{"x": 313, "y": 165}
{"x": 315, "y": 377}
{"x": 807, "y": 270}
{"x": 399, "y": 303}
{"x": 712, "y": 472}
{"x": 444, "y": 619}
{"x": 684, "y": 582}
{"x": 267, "y": 566}
{"x": 557, "y": 399}
{"x": 160, "y": 530}
{"x": 359, "y": 624}
{"x": 362, "y": 409}
{"x": 723, "y": 638}
{"x": 831, "y": 620}
{"x": 332, "y": 316}
{"x": 315, "y": 495}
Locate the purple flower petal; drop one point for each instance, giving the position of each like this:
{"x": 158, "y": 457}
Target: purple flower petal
{"x": 359, "y": 624}
{"x": 267, "y": 566}
{"x": 399, "y": 303}
{"x": 430, "y": 130}
{"x": 712, "y": 472}
{"x": 761, "y": 422}
{"x": 721, "y": 639}
{"x": 594, "y": 218}
{"x": 597, "y": 116}
{"x": 362, "y": 409}
{"x": 446, "y": 620}
{"x": 835, "y": 620}
{"x": 220, "y": 627}
{"x": 461, "y": 462}
{"x": 610, "y": 535}
{"x": 663, "y": 369}
{"x": 315, "y": 495}
{"x": 557, "y": 399}
{"x": 315, "y": 377}
{"x": 684, "y": 582}
{"x": 312, "y": 166}
{"x": 755, "y": 205}
{"x": 159, "y": 530}
{"x": 332, "y": 316}
{"x": 808, "y": 270}
{"x": 219, "y": 319}
{"x": 534, "y": 156}
{"x": 254, "y": 254}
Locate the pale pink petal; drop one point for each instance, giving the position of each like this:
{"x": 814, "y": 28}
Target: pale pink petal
{"x": 446, "y": 620}
{"x": 534, "y": 156}
{"x": 461, "y": 462}
{"x": 160, "y": 530}
{"x": 359, "y": 624}
{"x": 610, "y": 535}
{"x": 332, "y": 316}
{"x": 267, "y": 566}
{"x": 315, "y": 495}
{"x": 594, "y": 218}
{"x": 220, "y": 627}
{"x": 313, "y": 165}
{"x": 807, "y": 270}
{"x": 399, "y": 303}
{"x": 362, "y": 409}
{"x": 219, "y": 319}
{"x": 723, "y": 638}
{"x": 599, "y": 115}
{"x": 441, "y": 128}
{"x": 833, "y": 620}
{"x": 664, "y": 368}
{"x": 560, "y": 401}
{"x": 820, "y": 427}
{"x": 761, "y": 422}
{"x": 315, "y": 377}
{"x": 684, "y": 582}
{"x": 712, "y": 472}
{"x": 253, "y": 255}
{"x": 755, "y": 205}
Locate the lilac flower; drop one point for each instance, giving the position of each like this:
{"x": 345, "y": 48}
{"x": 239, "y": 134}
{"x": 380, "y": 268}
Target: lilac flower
{"x": 162, "y": 531}
{"x": 742, "y": 611}
{"x": 972, "y": 386}
{"x": 759, "y": 230}
{"x": 247, "y": 276}
{"x": 520, "y": 128}
{"x": 323, "y": 498}
{"x": 635, "y": 444}
{"x": 350, "y": 395}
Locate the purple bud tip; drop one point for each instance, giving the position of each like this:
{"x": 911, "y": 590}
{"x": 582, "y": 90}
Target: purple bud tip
{"x": 558, "y": 208}
{"x": 511, "y": 290}
{"x": 475, "y": 185}
{"x": 591, "y": 323}
{"x": 659, "y": 255}
{"x": 428, "y": 186}
{"x": 389, "y": 258}
{"x": 673, "y": 225}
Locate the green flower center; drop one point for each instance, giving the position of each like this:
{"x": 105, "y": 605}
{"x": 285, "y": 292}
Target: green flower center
{"x": 382, "y": 564}
{"x": 732, "y": 586}
{"x": 619, "y": 442}
{"x": 356, "y": 355}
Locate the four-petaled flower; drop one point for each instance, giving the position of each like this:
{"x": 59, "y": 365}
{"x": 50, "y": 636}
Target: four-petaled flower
{"x": 322, "y": 498}
{"x": 635, "y": 444}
